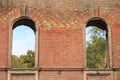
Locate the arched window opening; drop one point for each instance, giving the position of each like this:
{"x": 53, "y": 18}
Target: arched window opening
{"x": 23, "y": 44}
{"x": 97, "y": 44}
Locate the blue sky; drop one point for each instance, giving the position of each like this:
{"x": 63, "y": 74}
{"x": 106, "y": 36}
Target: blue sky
{"x": 88, "y": 34}
{"x": 23, "y": 40}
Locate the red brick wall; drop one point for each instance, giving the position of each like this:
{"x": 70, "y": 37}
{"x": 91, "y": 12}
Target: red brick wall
{"x": 3, "y": 75}
{"x": 61, "y": 48}
{"x": 63, "y": 75}
{"x": 116, "y": 44}
{"x": 116, "y": 75}
{"x": 98, "y": 77}
{"x": 22, "y": 77}
{"x": 3, "y": 45}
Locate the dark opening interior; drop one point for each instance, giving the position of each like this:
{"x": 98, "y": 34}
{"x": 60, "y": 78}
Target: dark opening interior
{"x": 98, "y": 22}
{"x": 25, "y": 21}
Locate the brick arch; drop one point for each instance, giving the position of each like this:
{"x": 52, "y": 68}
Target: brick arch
{"x": 101, "y": 23}
{"x": 38, "y": 18}
{"x": 25, "y": 20}
{"x": 35, "y": 18}
{"x": 109, "y": 19}
{"x": 100, "y": 12}
{"x": 97, "y": 21}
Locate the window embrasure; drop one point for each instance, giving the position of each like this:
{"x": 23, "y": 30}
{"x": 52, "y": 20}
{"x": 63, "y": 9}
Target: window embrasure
{"x": 23, "y": 43}
{"x": 96, "y": 43}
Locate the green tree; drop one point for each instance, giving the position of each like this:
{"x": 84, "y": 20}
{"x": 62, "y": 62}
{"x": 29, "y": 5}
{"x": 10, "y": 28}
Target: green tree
{"x": 24, "y": 61}
{"x": 96, "y": 48}
{"x": 29, "y": 59}
{"x": 17, "y": 62}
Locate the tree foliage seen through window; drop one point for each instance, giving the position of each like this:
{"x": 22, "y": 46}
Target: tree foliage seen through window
{"x": 24, "y": 61}
{"x": 96, "y": 48}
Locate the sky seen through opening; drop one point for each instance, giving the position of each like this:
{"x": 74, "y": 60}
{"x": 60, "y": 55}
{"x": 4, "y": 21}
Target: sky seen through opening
{"x": 23, "y": 40}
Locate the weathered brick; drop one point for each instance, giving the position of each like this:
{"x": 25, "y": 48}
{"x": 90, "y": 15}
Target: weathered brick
{"x": 60, "y": 28}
